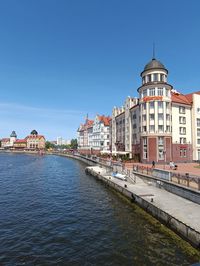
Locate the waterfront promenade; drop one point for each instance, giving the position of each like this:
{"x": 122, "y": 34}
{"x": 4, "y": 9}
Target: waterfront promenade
{"x": 192, "y": 168}
{"x": 181, "y": 215}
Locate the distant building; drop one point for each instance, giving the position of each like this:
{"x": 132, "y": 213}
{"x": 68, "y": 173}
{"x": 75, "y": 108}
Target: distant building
{"x": 20, "y": 144}
{"x": 35, "y": 141}
{"x": 31, "y": 142}
{"x": 5, "y": 142}
{"x": 8, "y": 142}
{"x": 61, "y": 141}
{"x": 94, "y": 135}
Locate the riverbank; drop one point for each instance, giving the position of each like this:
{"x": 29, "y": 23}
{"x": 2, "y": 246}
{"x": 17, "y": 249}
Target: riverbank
{"x": 166, "y": 207}
{"x": 177, "y": 213}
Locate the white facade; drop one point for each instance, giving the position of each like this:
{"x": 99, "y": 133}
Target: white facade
{"x": 95, "y": 136}
{"x": 196, "y": 126}
{"x": 100, "y": 134}
{"x": 161, "y": 124}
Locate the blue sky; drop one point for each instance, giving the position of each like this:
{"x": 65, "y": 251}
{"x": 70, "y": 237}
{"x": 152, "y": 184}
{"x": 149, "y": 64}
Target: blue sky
{"x": 62, "y": 59}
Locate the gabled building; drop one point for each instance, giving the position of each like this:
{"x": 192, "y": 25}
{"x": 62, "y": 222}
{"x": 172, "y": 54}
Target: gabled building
{"x": 101, "y": 134}
{"x": 94, "y": 135}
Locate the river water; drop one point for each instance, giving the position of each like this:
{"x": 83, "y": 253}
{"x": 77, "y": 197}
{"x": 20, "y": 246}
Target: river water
{"x": 54, "y": 214}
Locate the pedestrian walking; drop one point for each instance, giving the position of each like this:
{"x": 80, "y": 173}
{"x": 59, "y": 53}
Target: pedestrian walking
{"x": 153, "y": 164}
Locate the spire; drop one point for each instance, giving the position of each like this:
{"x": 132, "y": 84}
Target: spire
{"x": 153, "y": 51}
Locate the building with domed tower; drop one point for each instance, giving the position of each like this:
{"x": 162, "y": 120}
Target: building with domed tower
{"x": 7, "y": 143}
{"x": 35, "y": 141}
{"x": 161, "y": 124}
{"x": 155, "y": 113}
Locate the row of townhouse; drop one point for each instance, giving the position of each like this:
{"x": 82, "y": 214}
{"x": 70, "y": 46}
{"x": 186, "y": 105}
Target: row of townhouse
{"x": 93, "y": 135}
{"x": 161, "y": 124}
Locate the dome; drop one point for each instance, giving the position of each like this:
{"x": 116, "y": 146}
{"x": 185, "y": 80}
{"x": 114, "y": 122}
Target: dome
{"x": 34, "y": 132}
{"x": 13, "y": 134}
{"x": 154, "y": 64}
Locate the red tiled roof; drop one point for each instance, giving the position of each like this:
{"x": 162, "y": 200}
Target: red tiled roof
{"x": 20, "y": 141}
{"x": 104, "y": 119}
{"x": 88, "y": 124}
{"x": 180, "y": 98}
{"x": 189, "y": 96}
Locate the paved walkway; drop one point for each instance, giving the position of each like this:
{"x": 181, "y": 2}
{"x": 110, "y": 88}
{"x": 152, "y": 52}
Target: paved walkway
{"x": 183, "y": 168}
{"x": 182, "y": 209}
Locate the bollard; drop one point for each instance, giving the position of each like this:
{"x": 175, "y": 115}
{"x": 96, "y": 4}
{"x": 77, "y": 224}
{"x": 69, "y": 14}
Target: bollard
{"x": 188, "y": 181}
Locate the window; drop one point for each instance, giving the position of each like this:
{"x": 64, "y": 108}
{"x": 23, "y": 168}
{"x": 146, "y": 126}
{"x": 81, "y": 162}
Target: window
{"x": 160, "y": 116}
{"x": 144, "y": 141}
{"x": 160, "y": 91}
{"x": 160, "y": 104}
{"x": 167, "y": 105}
{"x": 182, "y": 130}
{"x": 134, "y": 116}
{"x": 144, "y": 148}
{"x": 198, "y": 132}
{"x": 198, "y": 141}
{"x": 182, "y": 140}
{"x": 148, "y": 78}
{"x": 181, "y": 110}
{"x": 151, "y": 128}
{"x": 143, "y": 118}
{"x": 143, "y": 80}
{"x": 162, "y": 77}
{"x": 144, "y": 106}
{"x": 167, "y": 117}
{"x": 168, "y": 128}
{"x": 144, "y": 92}
{"x": 198, "y": 110}
{"x": 161, "y": 153}
{"x": 160, "y": 141}
{"x": 198, "y": 122}
{"x": 182, "y": 120}
{"x": 183, "y": 153}
{"x": 167, "y": 92}
{"x": 152, "y": 92}
{"x": 151, "y": 105}
{"x": 144, "y": 128}
{"x": 151, "y": 117}
{"x": 160, "y": 128}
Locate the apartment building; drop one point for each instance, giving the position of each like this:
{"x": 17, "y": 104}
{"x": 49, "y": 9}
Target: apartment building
{"x": 161, "y": 124}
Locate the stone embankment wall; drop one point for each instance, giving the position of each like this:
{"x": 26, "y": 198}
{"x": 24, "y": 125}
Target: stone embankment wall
{"x": 177, "y": 226}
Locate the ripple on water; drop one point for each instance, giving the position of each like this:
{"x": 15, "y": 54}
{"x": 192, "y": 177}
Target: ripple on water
{"x": 54, "y": 214}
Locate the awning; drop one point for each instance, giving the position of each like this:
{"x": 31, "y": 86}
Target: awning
{"x": 102, "y": 152}
{"x": 120, "y": 152}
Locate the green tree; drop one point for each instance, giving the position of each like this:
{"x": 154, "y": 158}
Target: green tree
{"x": 74, "y": 144}
{"x": 49, "y": 145}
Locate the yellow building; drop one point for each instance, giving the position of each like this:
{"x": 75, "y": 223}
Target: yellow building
{"x": 35, "y": 141}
